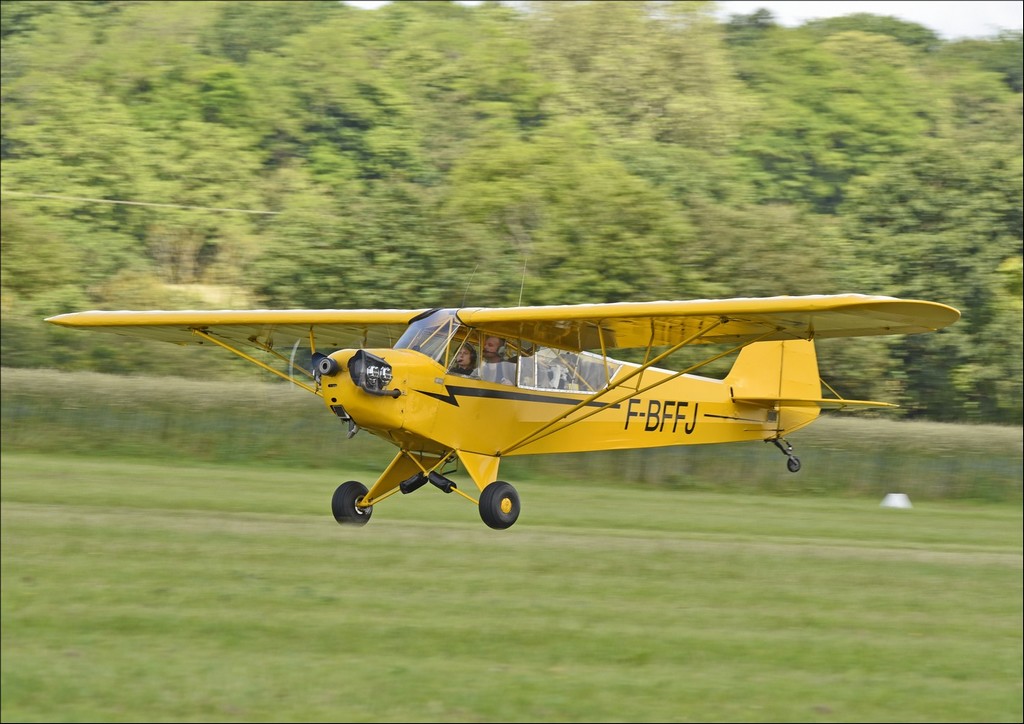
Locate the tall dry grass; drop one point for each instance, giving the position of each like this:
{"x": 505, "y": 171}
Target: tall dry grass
{"x": 278, "y": 424}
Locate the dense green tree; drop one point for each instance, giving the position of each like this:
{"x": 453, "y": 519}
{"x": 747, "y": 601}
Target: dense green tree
{"x": 20, "y": 18}
{"x": 831, "y": 111}
{"x": 309, "y": 154}
{"x": 1003, "y": 54}
{"x": 934, "y": 224}
{"x": 908, "y": 33}
{"x": 246, "y": 27}
{"x": 583, "y": 226}
{"x": 642, "y": 70}
{"x": 746, "y": 29}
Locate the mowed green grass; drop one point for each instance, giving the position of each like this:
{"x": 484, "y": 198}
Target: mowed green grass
{"x": 134, "y": 591}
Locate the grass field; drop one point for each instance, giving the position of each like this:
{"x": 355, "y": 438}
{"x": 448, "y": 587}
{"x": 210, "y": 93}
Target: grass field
{"x": 177, "y": 591}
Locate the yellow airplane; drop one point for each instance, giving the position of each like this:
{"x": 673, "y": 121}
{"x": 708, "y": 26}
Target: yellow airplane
{"x": 470, "y": 386}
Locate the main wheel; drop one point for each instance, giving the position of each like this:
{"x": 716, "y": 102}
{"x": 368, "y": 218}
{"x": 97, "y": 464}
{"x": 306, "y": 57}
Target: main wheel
{"x": 499, "y": 505}
{"x": 344, "y": 507}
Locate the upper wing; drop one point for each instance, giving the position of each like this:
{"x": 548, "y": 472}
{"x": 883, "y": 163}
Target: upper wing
{"x": 573, "y": 327}
{"x": 333, "y": 328}
{"x": 727, "y": 321}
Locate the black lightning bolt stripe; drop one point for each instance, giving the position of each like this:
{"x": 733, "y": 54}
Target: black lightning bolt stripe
{"x": 454, "y": 392}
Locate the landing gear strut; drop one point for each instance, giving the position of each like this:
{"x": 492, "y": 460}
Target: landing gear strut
{"x": 793, "y": 462}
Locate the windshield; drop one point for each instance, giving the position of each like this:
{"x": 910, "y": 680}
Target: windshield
{"x": 430, "y": 333}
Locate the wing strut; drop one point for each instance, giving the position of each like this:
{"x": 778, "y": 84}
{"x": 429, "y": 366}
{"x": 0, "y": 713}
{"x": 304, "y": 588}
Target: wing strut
{"x": 249, "y": 358}
{"x": 536, "y": 434}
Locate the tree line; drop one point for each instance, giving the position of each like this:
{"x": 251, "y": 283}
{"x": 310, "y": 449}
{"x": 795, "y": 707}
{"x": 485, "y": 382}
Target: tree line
{"x": 312, "y": 154}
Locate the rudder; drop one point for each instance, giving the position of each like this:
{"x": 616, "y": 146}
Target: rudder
{"x": 774, "y": 373}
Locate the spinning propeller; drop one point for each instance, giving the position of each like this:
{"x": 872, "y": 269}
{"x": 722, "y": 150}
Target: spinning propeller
{"x": 320, "y": 364}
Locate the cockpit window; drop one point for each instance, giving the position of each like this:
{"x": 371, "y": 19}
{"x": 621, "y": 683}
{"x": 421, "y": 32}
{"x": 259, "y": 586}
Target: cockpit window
{"x": 473, "y": 353}
{"x": 556, "y": 369}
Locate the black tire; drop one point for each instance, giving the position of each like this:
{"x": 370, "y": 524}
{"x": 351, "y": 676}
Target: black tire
{"x": 499, "y": 505}
{"x": 793, "y": 464}
{"x": 343, "y": 504}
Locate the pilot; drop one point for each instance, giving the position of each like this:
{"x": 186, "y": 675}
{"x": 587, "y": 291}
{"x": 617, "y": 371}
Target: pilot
{"x": 465, "y": 361}
{"x": 495, "y": 367}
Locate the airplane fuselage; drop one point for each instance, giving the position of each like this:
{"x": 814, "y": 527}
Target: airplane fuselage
{"x": 437, "y": 412}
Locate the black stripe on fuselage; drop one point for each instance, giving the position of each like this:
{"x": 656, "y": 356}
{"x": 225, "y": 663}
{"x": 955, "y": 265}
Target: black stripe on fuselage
{"x": 734, "y": 418}
{"x": 454, "y": 392}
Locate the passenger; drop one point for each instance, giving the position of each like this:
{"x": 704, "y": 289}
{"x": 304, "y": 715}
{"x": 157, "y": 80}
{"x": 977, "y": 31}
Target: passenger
{"x": 495, "y": 367}
{"x": 465, "y": 361}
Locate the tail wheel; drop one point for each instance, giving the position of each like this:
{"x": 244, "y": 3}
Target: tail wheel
{"x": 344, "y": 507}
{"x": 499, "y": 505}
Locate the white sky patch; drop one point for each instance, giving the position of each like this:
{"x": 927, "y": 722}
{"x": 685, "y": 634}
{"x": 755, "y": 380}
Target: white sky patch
{"x": 949, "y": 20}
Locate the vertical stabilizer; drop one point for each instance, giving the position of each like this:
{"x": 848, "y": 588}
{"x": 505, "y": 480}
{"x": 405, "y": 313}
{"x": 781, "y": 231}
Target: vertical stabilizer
{"x": 781, "y": 376}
